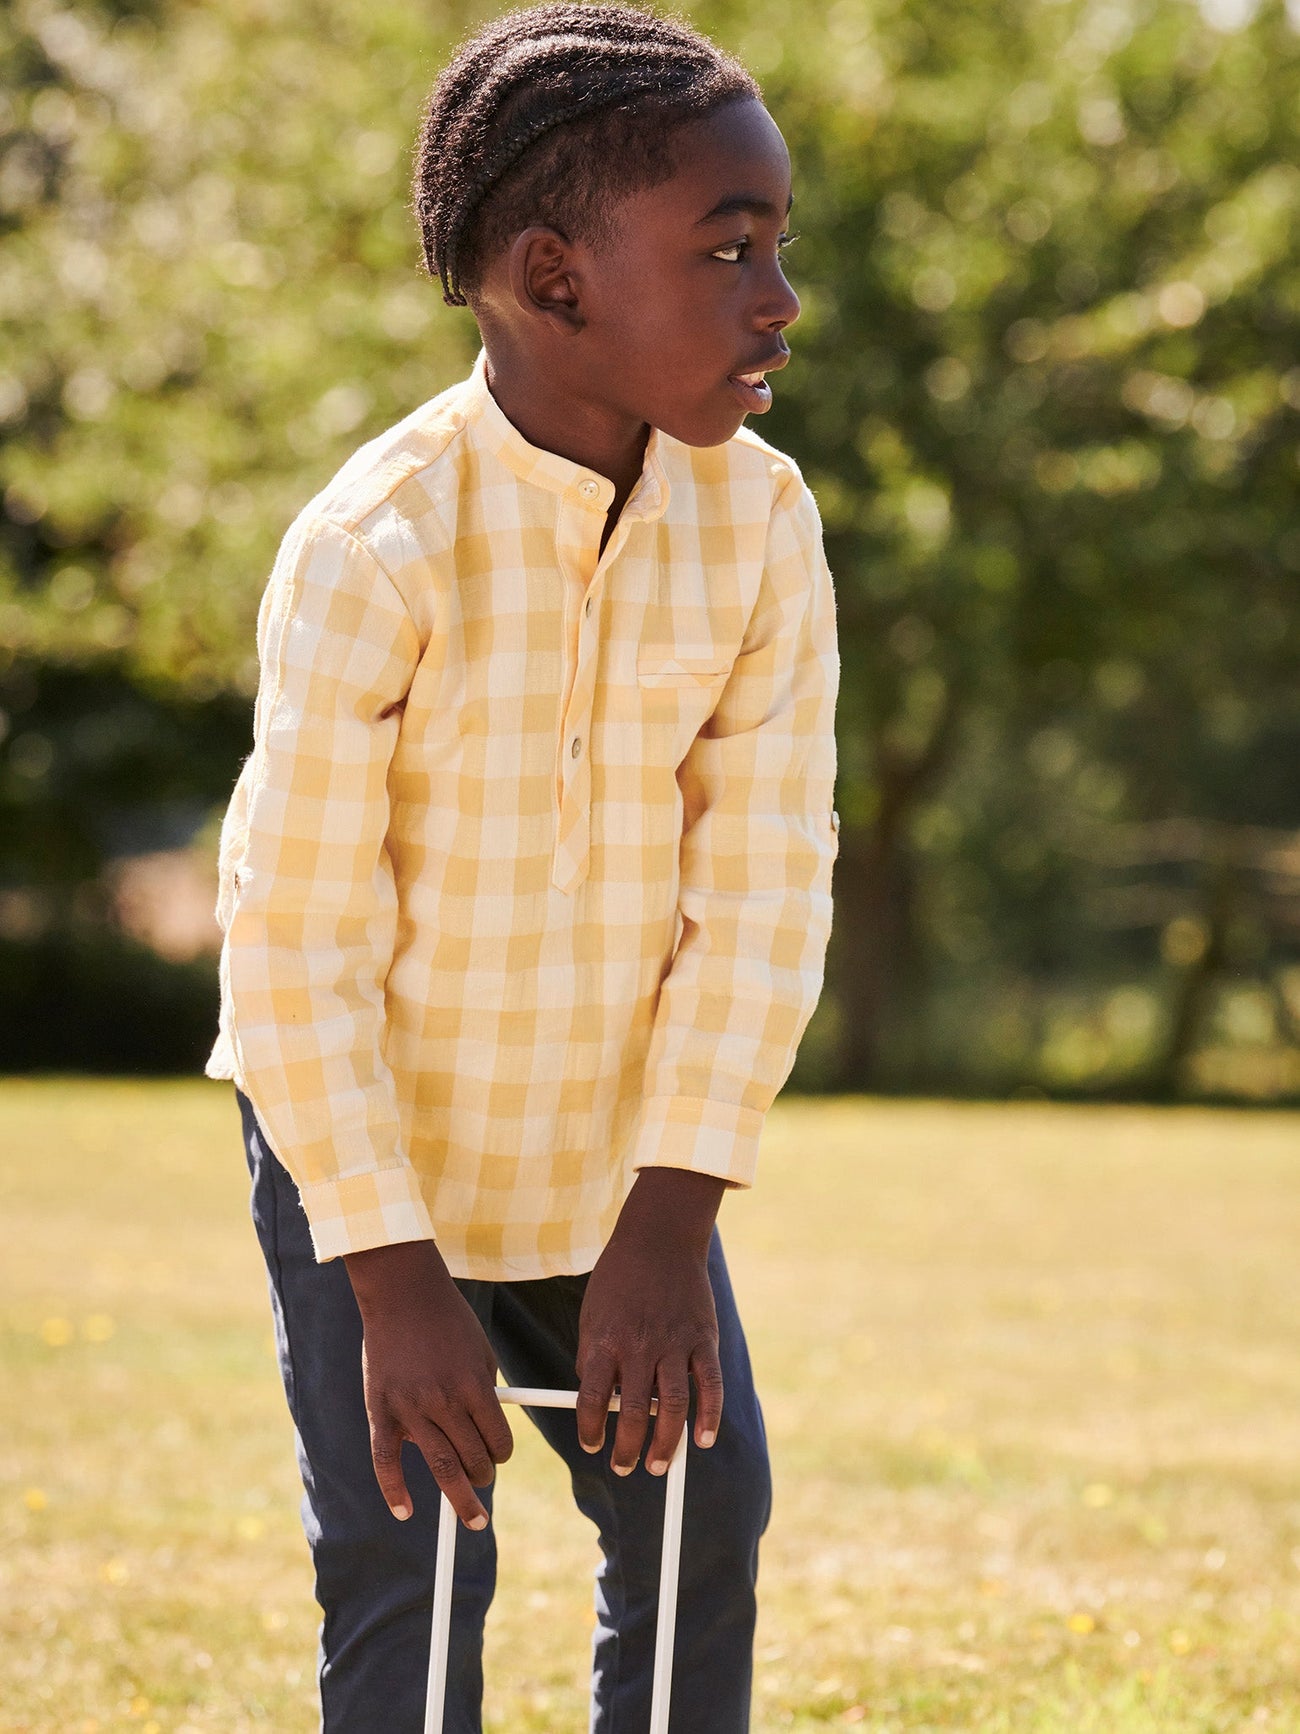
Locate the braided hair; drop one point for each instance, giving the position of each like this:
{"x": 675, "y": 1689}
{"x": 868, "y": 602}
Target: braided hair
{"x": 552, "y": 115}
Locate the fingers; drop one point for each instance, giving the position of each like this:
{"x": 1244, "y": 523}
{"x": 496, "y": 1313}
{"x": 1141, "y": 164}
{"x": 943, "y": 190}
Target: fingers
{"x": 494, "y": 1430}
{"x": 386, "y": 1455}
{"x": 465, "y": 1440}
{"x": 449, "y": 1472}
{"x": 669, "y": 1386}
{"x": 674, "y": 1389}
{"x": 445, "y": 1465}
{"x": 633, "y": 1416}
{"x": 595, "y": 1389}
{"x": 462, "y": 1454}
{"x": 706, "y": 1370}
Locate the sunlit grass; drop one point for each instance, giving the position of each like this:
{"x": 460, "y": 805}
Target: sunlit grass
{"x": 1032, "y": 1377}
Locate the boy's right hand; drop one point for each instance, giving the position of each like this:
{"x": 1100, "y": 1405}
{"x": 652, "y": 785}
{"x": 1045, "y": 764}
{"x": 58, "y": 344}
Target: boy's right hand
{"x": 430, "y": 1377}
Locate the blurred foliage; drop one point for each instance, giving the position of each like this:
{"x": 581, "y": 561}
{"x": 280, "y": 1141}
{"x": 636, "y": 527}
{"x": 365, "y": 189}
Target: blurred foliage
{"x": 1047, "y": 393}
{"x": 1047, "y": 389}
{"x": 88, "y": 999}
{"x": 208, "y": 295}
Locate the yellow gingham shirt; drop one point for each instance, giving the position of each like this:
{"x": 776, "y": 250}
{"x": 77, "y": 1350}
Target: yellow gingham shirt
{"x": 526, "y": 883}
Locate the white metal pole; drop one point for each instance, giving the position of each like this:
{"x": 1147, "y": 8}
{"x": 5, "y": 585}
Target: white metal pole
{"x": 445, "y": 1565}
{"x": 444, "y": 1572}
{"x": 531, "y": 1399}
{"x": 666, "y": 1632}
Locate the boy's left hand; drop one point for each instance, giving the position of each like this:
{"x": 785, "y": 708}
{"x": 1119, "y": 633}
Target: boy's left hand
{"x": 648, "y": 1323}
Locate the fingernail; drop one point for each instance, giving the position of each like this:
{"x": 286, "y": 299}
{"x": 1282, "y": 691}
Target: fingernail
{"x": 657, "y": 1467}
{"x": 707, "y": 1438}
{"x": 590, "y": 1449}
{"x": 620, "y": 1470}
{"x": 400, "y": 1512}
{"x": 477, "y": 1523}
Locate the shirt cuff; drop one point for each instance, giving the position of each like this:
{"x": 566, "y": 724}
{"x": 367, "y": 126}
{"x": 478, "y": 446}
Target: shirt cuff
{"x": 354, "y": 1212}
{"x": 705, "y": 1137}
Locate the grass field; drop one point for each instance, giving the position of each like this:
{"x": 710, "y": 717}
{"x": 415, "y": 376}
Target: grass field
{"x": 1032, "y": 1376}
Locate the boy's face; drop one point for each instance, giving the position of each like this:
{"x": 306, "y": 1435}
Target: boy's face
{"x": 675, "y": 315}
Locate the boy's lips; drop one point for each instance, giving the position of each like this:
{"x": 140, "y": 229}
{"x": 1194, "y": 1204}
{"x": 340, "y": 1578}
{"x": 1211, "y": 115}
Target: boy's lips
{"x": 752, "y": 388}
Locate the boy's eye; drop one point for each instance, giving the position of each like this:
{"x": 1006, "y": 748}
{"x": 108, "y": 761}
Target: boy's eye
{"x": 735, "y": 251}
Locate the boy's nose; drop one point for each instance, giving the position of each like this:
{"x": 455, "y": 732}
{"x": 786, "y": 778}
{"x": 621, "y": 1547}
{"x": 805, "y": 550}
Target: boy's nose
{"x": 780, "y": 307}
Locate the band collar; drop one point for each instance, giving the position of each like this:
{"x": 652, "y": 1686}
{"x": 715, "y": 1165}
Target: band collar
{"x": 584, "y": 487}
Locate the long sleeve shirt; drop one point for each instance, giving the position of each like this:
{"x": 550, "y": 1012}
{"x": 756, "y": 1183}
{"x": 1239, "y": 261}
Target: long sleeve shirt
{"x": 526, "y": 882}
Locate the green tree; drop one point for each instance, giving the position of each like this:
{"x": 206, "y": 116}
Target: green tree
{"x": 208, "y": 296}
{"x": 1047, "y": 393}
{"x": 1046, "y": 387}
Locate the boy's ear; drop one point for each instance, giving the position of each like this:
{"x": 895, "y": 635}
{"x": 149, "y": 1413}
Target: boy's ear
{"x": 544, "y": 277}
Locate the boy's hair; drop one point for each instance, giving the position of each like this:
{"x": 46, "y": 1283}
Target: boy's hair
{"x": 551, "y": 116}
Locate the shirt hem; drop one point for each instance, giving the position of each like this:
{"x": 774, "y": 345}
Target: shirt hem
{"x": 580, "y": 1263}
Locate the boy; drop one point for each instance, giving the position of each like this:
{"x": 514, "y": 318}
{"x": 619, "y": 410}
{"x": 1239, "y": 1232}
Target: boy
{"x": 526, "y": 883}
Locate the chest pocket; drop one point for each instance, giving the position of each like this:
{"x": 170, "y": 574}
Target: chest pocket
{"x": 678, "y": 687}
{"x": 679, "y": 667}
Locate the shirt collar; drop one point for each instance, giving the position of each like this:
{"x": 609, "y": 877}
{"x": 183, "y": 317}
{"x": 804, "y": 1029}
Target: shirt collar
{"x": 583, "y": 487}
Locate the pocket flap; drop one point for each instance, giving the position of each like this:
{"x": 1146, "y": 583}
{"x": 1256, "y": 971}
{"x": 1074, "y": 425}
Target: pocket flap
{"x": 676, "y": 667}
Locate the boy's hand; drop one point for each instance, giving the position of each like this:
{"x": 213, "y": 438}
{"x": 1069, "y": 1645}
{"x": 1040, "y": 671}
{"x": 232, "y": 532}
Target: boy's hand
{"x": 430, "y": 1377}
{"x": 648, "y": 1322}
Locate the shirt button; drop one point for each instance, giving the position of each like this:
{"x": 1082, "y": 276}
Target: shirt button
{"x": 588, "y": 488}
{"x": 576, "y": 748}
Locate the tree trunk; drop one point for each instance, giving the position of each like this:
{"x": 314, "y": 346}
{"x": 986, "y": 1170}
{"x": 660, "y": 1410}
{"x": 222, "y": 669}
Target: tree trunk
{"x": 1196, "y": 983}
{"x": 872, "y": 923}
{"x": 874, "y": 953}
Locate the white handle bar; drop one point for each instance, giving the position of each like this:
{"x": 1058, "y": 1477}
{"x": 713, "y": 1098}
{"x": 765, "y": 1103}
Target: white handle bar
{"x": 444, "y": 1566}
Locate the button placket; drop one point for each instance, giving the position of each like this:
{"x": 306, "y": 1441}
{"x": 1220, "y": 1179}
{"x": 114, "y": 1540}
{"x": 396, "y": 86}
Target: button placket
{"x": 573, "y": 842}
{"x": 575, "y": 777}
{"x": 579, "y": 559}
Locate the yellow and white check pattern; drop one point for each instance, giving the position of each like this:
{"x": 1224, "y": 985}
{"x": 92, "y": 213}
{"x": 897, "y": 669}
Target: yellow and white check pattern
{"x": 526, "y": 884}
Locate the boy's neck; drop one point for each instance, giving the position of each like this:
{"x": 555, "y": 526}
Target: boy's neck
{"x": 549, "y": 415}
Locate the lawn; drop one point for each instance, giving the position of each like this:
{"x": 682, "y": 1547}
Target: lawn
{"x": 1032, "y": 1377}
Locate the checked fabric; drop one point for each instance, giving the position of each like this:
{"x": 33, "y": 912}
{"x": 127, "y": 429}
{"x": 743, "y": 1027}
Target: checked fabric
{"x": 526, "y": 882}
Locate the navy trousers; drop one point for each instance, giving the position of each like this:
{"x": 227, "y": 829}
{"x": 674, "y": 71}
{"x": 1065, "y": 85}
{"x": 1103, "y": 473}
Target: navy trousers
{"x": 374, "y": 1575}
